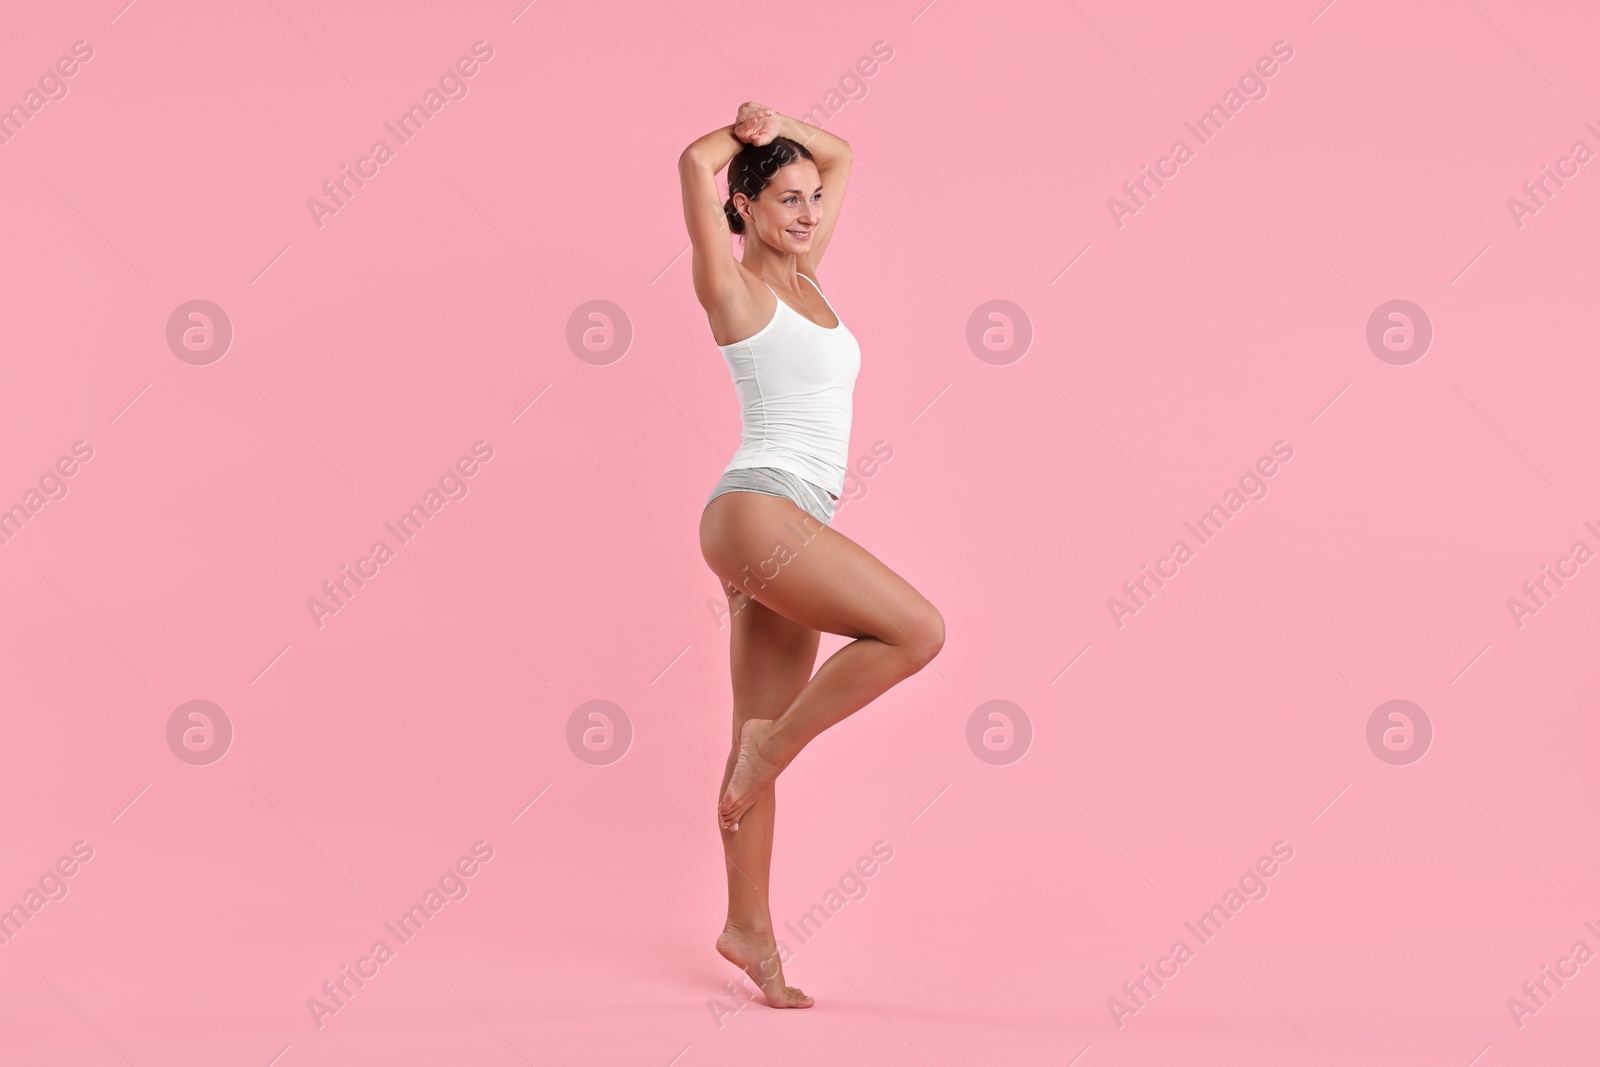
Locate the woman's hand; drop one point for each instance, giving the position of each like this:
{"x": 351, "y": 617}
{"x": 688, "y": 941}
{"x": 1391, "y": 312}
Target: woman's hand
{"x": 756, "y": 124}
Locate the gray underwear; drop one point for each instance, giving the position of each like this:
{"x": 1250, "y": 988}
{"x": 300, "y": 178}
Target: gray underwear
{"x": 810, "y": 498}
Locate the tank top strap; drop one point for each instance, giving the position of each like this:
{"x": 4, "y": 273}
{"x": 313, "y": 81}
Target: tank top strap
{"x": 779, "y": 310}
{"x": 820, "y": 293}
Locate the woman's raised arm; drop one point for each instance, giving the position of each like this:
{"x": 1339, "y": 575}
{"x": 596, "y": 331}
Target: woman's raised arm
{"x": 833, "y": 157}
{"x": 828, "y": 149}
{"x": 716, "y": 271}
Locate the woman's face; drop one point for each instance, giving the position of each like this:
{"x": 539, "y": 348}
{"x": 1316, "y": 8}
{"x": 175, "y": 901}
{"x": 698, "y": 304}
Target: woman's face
{"x": 789, "y": 210}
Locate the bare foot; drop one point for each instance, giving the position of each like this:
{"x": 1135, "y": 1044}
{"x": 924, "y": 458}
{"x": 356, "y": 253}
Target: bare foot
{"x": 751, "y": 774}
{"x": 757, "y": 956}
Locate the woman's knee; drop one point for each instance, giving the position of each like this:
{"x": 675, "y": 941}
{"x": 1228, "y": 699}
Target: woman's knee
{"x": 938, "y": 628}
{"x": 923, "y": 635}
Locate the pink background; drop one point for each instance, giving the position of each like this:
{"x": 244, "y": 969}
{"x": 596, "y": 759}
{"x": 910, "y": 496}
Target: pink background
{"x": 1230, "y": 713}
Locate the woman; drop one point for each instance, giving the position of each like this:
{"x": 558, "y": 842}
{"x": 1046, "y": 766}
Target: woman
{"x": 794, "y": 366}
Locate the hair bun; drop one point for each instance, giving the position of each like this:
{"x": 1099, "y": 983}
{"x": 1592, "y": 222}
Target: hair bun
{"x": 735, "y": 220}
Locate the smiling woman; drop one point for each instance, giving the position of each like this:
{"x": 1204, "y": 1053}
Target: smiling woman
{"x": 749, "y": 174}
{"x": 793, "y": 364}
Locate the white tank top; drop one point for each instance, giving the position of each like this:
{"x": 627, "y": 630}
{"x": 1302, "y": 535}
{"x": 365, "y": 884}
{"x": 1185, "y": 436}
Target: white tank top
{"x": 795, "y": 380}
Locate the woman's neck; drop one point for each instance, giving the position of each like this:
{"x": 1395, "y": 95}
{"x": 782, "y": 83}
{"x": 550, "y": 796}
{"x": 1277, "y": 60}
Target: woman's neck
{"x": 769, "y": 265}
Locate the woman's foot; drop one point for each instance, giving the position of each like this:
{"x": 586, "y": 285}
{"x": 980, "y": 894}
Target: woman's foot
{"x": 756, "y": 954}
{"x": 751, "y": 774}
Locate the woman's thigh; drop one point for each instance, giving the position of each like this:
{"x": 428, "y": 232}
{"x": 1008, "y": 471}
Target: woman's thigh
{"x": 812, "y": 574}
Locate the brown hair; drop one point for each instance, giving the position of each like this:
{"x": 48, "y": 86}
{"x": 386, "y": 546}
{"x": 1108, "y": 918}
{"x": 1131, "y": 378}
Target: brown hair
{"x": 752, "y": 169}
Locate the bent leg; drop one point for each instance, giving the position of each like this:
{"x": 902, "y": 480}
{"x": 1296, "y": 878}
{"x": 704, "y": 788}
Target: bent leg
{"x": 817, "y": 577}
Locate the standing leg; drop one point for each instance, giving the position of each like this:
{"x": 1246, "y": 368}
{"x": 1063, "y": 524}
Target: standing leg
{"x": 771, "y": 659}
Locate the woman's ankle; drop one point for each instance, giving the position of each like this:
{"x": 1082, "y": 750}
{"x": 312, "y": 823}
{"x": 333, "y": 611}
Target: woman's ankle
{"x": 759, "y": 929}
{"x": 776, "y": 748}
